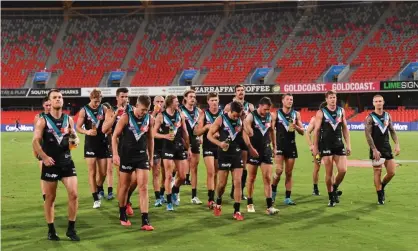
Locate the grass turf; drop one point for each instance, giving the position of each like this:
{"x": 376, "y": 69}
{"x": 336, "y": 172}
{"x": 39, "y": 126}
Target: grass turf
{"x": 357, "y": 223}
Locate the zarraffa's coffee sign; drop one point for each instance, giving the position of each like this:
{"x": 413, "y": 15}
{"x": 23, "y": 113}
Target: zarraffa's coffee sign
{"x": 230, "y": 89}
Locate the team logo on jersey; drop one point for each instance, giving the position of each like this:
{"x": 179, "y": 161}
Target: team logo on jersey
{"x": 209, "y": 118}
{"x": 192, "y": 121}
{"x": 383, "y": 125}
{"x": 177, "y": 122}
{"x": 263, "y": 127}
{"x": 139, "y": 131}
{"x": 285, "y": 122}
{"x": 232, "y": 130}
{"x": 58, "y": 133}
{"x": 95, "y": 119}
{"x": 334, "y": 122}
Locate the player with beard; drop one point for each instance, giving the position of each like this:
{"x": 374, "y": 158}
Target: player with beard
{"x": 157, "y": 166}
{"x": 258, "y": 137}
{"x": 286, "y": 121}
{"x": 96, "y": 149}
{"x": 210, "y": 150}
{"x": 192, "y": 113}
{"x": 136, "y": 127}
{"x": 378, "y": 126}
{"x": 175, "y": 146}
{"x": 47, "y": 107}
{"x": 330, "y": 128}
{"x": 229, "y": 127}
{"x": 56, "y": 132}
{"x": 247, "y": 108}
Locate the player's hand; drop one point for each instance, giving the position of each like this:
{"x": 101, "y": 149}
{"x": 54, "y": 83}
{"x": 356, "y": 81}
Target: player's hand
{"x": 397, "y": 150}
{"x": 312, "y": 148}
{"x": 169, "y": 136}
{"x": 315, "y": 151}
{"x": 250, "y": 133}
{"x": 48, "y": 161}
{"x": 92, "y": 132}
{"x": 376, "y": 155}
{"x": 116, "y": 160}
{"x": 253, "y": 152}
{"x": 35, "y": 154}
{"x": 223, "y": 145}
{"x": 348, "y": 150}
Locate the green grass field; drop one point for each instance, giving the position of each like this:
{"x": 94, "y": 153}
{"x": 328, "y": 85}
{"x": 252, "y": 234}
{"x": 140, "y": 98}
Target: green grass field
{"x": 357, "y": 223}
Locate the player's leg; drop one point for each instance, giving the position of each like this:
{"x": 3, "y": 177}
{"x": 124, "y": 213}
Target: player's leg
{"x": 237, "y": 173}
{"x": 125, "y": 182}
{"x": 266, "y": 169}
{"x": 244, "y": 155}
{"x": 210, "y": 179}
{"x": 117, "y": 168}
{"x": 70, "y": 184}
{"x": 91, "y": 165}
{"x": 156, "y": 169}
{"x": 194, "y": 163}
{"x": 252, "y": 174}
{"x": 341, "y": 164}
{"x": 168, "y": 169}
{"x": 276, "y": 177}
{"x": 220, "y": 190}
{"x": 289, "y": 164}
{"x": 162, "y": 183}
{"x": 142, "y": 181}
{"x": 42, "y": 183}
{"x": 182, "y": 168}
{"x": 315, "y": 177}
{"x": 377, "y": 177}
{"x": 109, "y": 175}
{"x": 50, "y": 187}
{"x": 131, "y": 190}
{"x": 390, "y": 173}
{"x": 101, "y": 168}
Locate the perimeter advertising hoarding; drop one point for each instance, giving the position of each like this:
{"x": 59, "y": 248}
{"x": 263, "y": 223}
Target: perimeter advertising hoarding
{"x": 350, "y": 87}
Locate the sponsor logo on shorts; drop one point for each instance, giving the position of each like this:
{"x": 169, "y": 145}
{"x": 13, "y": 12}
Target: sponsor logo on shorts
{"x": 227, "y": 164}
{"x": 169, "y": 155}
{"x": 147, "y": 164}
{"x": 208, "y": 152}
{"x": 326, "y": 152}
{"x": 67, "y": 156}
{"x": 142, "y": 151}
{"x": 51, "y": 175}
{"x": 127, "y": 167}
{"x": 279, "y": 152}
{"x": 90, "y": 153}
{"x": 74, "y": 172}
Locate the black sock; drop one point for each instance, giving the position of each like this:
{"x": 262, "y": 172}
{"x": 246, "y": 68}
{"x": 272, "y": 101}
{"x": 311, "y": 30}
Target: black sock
{"x": 43, "y": 196}
{"x": 175, "y": 189}
{"x": 145, "y": 220}
{"x": 71, "y": 225}
{"x": 122, "y": 214}
{"x": 315, "y": 187}
{"x": 236, "y": 207}
{"x": 162, "y": 191}
{"x": 330, "y": 196}
{"x": 194, "y": 192}
{"x": 95, "y": 196}
{"x": 288, "y": 193}
{"x": 157, "y": 195}
{"x": 169, "y": 198}
{"x": 383, "y": 185}
{"x": 51, "y": 228}
{"x": 109, "y": 190}
{"x": 211, "y": 195}
{"x": 379, "y": 193}
{"x": 269, "y": 202}
{"x": 173, "y": 174}
{"x": 100, "y": 189}
{"x": 335, "y": 187}
{"x": 129, "y": 195}
{"x": 274, "y": 188}
{"x": 249, "y": 201}
{"x": 187, "y": 177}
{"x": 219, "y": 201}
{"x": 243, "y": 179}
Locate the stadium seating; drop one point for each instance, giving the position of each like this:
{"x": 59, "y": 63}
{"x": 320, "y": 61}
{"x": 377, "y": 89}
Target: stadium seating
{"x": 171, "y": 43}
{"x": 26, "y": 45}
{"x": 328, "y": 37}
{"x": 248, "y": 40}
{"x": 399, "y": 115}
{"x": 393, "y": 46}
{"x": 25, "y": 117}
{"x": 92, "y": 47}
{"x": 306, "y": 114}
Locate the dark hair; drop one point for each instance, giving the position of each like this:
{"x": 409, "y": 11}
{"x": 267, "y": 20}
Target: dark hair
{"x": 287, "y": 94}
{"x": 238, "y": 86}
{"x": 322, "y": 105}
{"x": 236, "y": 107}
{"x": 144, "y": 100}
{"x": 51, "y": 91}
{"x": 121, "y": 90}
{"x": 265, "y": 101}
{"x": 331, "y": 92}
{"x": 45, "y": 99}
{"x": 169, "y": 100}
{"x": 212, "y": 95}
{"x": 107, "y": 105}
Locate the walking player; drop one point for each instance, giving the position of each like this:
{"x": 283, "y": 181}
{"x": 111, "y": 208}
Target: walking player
{"x": 378, "y": 126}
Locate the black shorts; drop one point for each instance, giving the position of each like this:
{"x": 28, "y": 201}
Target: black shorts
{"x": 157, "y": 155}
{"x": 176, "y": 153}
{"x": 130, "y": 166}
{"x": 99, "y": 151}
{"x": 265, "y": 156}
{"x": 228, "y": 162}
{"x": 195, "y": 144}
{"x": 57, "y": 172}
{"x": 385, "y": 153}
{"x": 339, "y": 151}
{"x": 210, "y": 153}
{"x": 287, "y": 151}
{"x": 243, "y": 146}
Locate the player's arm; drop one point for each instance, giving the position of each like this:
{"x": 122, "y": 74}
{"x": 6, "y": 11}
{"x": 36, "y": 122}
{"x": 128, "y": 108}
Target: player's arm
{"x": 36, "y": 142}
{"x": 346, "y": 134}
{"x": 200, "y": 129}
{"x": 73, "y": 131}
{"x": 35, "y": 119}
{"x": 394, "y": 137}
{"x": 299, "y": 125}
{"x": 273, "y": 131}
{"x": 123, "y": 121}
{"x": 110, "y": 119}
{"x": 318, "y": 119}
{"x": 185, "y": 133}
{"x": 227, "y": 108}
{"x": 308, "y": 134}
{"x": 80, "y": 122}
{"x": 247, "y": 125}
{"x": 368, "y": 131}
{"x": 214, "y": 128}
{"x": 157, "y": 124}
{"x": 150, "y": 139}
{"x": 251, "y": 107}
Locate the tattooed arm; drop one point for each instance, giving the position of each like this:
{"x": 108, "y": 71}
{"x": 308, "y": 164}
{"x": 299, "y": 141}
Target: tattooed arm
{"x": 368, "y": 132}
{"x": 394, "y": 137}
